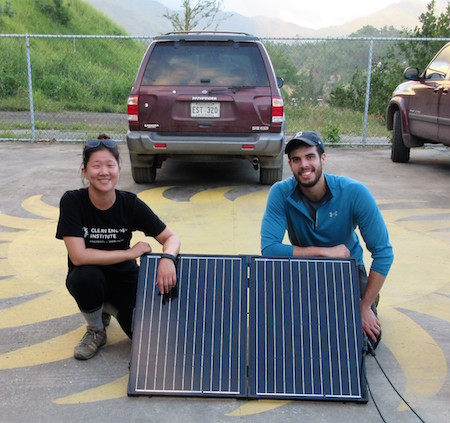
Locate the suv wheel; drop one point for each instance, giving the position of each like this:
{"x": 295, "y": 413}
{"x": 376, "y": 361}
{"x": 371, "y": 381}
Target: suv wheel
{"x": 270, "y": 175}
{"x": 399, "y": 153}
{"x": 143, "y": 175}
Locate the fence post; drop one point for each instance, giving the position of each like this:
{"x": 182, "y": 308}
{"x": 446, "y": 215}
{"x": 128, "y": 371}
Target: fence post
{"x": 366, "y": 106}
{"x": 30, "y": 89}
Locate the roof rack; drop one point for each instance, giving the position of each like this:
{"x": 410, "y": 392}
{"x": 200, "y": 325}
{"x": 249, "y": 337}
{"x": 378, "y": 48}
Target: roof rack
{"x": 207, "y": 35}
{"x": 196, "y": 32}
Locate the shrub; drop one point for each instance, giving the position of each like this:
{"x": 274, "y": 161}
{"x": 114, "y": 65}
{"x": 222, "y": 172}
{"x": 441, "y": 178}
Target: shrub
{"x": 55, "y": 9}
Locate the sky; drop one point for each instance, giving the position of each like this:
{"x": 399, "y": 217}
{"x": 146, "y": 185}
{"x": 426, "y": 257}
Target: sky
{"x": 311, "y": 14}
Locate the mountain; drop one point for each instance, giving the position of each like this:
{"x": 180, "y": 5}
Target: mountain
{"x": 404, "y": 14}
{"x": 144, "y": 17}
{"x": 137, "y": 17}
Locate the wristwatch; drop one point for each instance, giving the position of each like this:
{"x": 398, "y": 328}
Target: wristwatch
{"x": 170, "y": 257}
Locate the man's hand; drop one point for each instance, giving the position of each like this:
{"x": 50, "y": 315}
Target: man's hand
{"x": 371, "y": 324}
{"x": 339, "y": 251}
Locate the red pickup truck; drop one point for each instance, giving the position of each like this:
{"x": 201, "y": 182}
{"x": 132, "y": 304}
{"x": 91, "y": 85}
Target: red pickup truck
{"x": 419, "y": 110}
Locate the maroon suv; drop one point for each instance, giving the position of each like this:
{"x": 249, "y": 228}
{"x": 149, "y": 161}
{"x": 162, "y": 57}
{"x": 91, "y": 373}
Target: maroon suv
{"x": 206, "y": 96}
{"x": 419, "y": 110}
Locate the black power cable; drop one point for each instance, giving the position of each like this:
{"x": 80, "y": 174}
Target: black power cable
{"x": 374, "y": 402}
{"x": 371, "y": 350}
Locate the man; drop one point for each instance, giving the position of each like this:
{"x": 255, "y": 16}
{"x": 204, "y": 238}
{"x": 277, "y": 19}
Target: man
{"x": 320, "y": 213}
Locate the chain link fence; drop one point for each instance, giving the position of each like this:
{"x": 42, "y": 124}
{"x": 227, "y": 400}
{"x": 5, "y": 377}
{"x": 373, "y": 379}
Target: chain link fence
{"x": 73, "y": 87}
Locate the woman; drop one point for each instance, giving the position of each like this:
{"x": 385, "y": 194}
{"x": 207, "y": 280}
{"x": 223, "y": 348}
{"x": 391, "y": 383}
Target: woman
{"x": 96, "y": 224}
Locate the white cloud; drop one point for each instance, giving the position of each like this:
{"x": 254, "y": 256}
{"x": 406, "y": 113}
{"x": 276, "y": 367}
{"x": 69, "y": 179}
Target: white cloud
{"x": 314, "y": 14}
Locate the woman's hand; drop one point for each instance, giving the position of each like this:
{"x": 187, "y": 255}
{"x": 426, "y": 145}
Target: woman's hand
{"x": 140, "y": 248}
{"x": 166, "y": 278}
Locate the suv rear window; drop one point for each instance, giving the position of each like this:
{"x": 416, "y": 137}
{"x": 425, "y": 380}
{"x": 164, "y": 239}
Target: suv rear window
{"x": 205, "y": 63}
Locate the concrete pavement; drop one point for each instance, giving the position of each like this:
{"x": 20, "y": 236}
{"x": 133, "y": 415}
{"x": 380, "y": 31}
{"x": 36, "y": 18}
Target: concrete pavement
{"x": 40, "y": 324}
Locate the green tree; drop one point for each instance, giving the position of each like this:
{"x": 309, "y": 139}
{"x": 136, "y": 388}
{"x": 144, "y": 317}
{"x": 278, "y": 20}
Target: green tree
{"x": 203, "y": 12}
{"x": 371, "y": 31}
{"x": 387, "y": 71}
{"x": 432, "y": 26}
{"x": 301, "y": 84}
{"x": 308, "y": 89}
{"x": 283, "y": 65}
{"x": 351, "y": 96}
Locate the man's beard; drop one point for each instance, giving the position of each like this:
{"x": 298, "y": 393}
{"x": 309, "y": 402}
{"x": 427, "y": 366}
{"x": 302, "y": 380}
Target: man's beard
{"x": 312, "y": 183}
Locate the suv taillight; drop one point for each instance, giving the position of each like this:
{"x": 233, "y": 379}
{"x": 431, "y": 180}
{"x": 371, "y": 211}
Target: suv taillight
{"x": 277, "y": 110}
{"x": 132, "y": 108}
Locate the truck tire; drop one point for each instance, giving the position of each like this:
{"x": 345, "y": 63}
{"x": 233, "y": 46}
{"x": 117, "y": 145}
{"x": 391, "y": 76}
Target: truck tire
{"x": 270, "y": 175}
{"x": 143, "y": 175}
{"x": 399, "y": 153}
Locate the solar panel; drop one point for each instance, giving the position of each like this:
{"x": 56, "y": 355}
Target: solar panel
{"x": 305, "y": 330}
{"x": 295, "y": 324}
{"x": 191, "y": 345}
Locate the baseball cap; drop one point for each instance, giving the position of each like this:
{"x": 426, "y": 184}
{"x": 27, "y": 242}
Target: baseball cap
{"x": 304, "y": 137}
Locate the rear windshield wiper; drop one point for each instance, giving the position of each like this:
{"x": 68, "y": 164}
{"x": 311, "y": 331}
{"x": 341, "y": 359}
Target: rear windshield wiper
{"x": 233, "y": 88}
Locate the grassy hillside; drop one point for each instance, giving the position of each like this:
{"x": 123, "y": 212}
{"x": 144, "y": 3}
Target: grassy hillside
{"x": 67, "y": 73}
{"x": 36, "y": 17}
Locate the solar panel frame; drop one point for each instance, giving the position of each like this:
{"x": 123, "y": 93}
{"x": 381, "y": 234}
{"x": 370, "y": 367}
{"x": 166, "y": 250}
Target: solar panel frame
{"x": 191, "y": 345}
{"x": 309, "y": 344}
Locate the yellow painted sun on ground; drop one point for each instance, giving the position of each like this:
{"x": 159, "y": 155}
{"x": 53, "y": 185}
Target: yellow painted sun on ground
{"x": 33, "y": 265}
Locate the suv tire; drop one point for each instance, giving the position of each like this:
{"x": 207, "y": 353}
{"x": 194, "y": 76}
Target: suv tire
{"x": 270, "y": 175}
{"x": 143, "y": 175}
{"x": 399, "y": 153}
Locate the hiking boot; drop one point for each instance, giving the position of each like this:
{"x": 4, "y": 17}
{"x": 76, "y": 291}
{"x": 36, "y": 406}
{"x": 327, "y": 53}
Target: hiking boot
{"x": 106, "y": 319}
{"x": 92, "y": 340}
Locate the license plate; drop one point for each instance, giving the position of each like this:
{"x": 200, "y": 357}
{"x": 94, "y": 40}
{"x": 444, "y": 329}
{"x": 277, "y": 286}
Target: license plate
{"x": 205, "y": 109}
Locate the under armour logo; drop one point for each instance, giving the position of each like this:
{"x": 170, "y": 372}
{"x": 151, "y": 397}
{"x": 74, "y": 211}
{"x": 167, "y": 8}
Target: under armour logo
{"x": 333, "y": 214}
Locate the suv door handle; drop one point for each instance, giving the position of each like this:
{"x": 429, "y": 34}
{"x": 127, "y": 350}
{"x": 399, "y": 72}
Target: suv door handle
{"x": 445, "y": 91}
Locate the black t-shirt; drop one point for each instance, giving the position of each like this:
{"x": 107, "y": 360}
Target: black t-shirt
{"x": 106, "y": 229}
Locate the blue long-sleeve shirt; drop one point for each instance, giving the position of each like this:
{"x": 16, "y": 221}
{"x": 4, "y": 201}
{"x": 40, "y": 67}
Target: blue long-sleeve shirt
{"x": 350, "y": 206}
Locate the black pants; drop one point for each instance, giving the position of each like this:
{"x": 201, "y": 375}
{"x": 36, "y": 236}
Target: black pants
{"x": 93, "y": 286}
